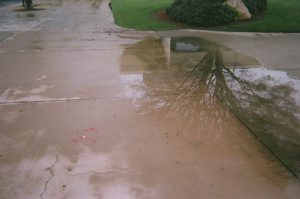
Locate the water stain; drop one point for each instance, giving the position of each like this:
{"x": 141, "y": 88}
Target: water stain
{"x": 185, "y": 76}
{"x": 95, "y": 4}
{"x": 41, "y": 89}
{"x": 25, "y": 10}
{"x": 15, "y": 95}
{"x": 43, "y": 77}
{"x": 58, "y": 4}
{"x": 10, "y": 117}
{"x": 36, "y": 48}
{"x": 30, "y": 15}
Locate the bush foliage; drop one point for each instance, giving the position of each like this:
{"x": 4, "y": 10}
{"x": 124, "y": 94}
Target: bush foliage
{"x": 256, "y": 7}
{"x": 203, "y": 13}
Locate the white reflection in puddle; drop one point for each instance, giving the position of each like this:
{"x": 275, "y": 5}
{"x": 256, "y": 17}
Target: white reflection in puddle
{"x": 272, "y": 77}
{"x": 134, "y": 87}
{"x": 122, "y": 189}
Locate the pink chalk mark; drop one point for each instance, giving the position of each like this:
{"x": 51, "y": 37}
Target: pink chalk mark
{"x": 74, "y": 140}
{"x": 92, "y": 140}
{"x": 91, "y": 130}
{"x": 84, "y": 136}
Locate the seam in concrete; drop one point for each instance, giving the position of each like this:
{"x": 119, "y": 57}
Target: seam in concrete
{"x": 56, "y": 100}
{"x": 77, "y": 50}
{"x": 8, "y": 38}
{"x": 77, "y": 99}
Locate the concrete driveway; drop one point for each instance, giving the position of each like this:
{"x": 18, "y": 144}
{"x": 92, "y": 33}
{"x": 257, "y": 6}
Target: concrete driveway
{"x": 91, "y": 110}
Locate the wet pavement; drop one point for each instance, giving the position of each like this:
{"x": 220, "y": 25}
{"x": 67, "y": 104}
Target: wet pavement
{"x": 91, "y": 110}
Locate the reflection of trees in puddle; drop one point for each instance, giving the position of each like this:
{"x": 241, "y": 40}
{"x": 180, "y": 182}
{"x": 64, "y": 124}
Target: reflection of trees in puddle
{"x": 263, "y": 103}
{"x": 259, "y": 98}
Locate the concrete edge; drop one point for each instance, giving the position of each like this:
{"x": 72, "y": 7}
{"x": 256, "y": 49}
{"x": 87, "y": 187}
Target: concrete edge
{"x": 231, "y": 33}
{"x": 6, "y": 35}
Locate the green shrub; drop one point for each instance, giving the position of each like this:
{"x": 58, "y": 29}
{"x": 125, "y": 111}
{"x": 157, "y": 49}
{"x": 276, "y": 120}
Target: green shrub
{"x": 256, "y": 7}
{"x": 203, "y": 13}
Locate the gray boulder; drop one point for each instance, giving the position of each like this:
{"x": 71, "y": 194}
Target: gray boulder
{"x": 239, "y": 6}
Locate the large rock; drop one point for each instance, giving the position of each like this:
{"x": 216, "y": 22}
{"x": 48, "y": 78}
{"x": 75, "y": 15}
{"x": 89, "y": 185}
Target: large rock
{"x": 239, "y": 6}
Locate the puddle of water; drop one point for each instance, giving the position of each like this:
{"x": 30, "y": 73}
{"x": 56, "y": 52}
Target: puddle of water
{"x": 95, "y": 4}
{"x": 194, "y": 71}
{"x": 30, "y": 15}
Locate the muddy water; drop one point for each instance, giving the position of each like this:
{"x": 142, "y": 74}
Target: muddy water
{"x": 177, "y": 71}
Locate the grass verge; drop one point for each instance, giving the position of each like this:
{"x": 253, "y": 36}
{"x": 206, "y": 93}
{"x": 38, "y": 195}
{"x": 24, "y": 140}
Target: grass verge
{"x": 141, "y": 14}
{"x": 281, "y": 16}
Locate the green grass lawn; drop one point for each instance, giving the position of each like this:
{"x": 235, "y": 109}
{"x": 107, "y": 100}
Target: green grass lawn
{"x": 281, "y": 16}
{"x": 140, "y": 14}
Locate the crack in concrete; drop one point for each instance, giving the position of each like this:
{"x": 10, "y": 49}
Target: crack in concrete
{"x": 102, "y": 173}
{"x": 51, "y": 172}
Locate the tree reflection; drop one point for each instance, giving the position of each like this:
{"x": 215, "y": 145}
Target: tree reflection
{"x": 261, "y": 101}
{"x": 265, "y": 105}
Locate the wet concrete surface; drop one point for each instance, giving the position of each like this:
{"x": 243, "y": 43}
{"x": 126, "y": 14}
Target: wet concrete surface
{"x": 91, "y": 110}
